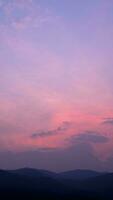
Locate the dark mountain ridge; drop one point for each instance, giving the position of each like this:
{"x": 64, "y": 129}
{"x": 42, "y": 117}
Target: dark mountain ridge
{"x": 41, "y": 184}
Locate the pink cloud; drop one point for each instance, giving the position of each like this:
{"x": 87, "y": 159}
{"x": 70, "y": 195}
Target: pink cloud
{"x": 43, "y": 88}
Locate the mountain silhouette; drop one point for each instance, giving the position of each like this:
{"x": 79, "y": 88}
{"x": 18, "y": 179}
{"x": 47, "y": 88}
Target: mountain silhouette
{"x": 34, "y": 172}
{"x": 79, "y": 174}
{"x": 42, "y": 184}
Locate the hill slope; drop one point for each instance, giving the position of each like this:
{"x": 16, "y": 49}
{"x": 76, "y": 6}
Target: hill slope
{"x": 42, "y": 184}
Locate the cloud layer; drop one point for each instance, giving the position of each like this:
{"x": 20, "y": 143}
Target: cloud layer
{"x": 56, "y": 78}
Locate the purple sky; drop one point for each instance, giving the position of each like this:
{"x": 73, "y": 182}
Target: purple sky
{"x": 56, "y": 83}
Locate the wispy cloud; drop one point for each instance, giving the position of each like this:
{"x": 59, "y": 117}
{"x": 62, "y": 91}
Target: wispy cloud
{"x": 63, "y": 127}
{"x": 24, "y": 14}
{"x": 108, "y": 121}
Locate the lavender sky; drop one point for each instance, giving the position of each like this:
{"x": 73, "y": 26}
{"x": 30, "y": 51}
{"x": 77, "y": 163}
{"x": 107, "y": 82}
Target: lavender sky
{"x": 56, "y": 84}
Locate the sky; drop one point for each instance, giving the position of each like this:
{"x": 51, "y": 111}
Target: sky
{"x": 56, "y": 84}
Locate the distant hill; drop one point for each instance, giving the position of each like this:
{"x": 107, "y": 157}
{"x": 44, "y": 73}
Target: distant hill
{"x": 79, "y": 174}
{"x": 25, "y": 185}
{"x": 41, "y": 184}
{"x": 73, "y": 175}
{"x": 37, "y": 173}
{"x": 101, "y": 182}
{"x": 101, "y": 186}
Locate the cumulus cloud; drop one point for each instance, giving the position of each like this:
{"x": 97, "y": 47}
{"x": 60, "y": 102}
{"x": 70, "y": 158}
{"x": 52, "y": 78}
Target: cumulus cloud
{"x": 90, "y": 136}
{"x": 63, "y": 127}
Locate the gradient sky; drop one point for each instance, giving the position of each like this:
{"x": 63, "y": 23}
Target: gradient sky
{"x": 56, "y": 84}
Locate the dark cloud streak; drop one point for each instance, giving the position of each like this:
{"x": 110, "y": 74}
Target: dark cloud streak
{"x": 63, "y": 127}
{"x": 108, "y": 121}
{"x": 90, "y": 136}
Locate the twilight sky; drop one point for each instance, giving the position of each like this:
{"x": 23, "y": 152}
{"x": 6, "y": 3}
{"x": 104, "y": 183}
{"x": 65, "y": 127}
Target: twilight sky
{"x": 56, "y": 84}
